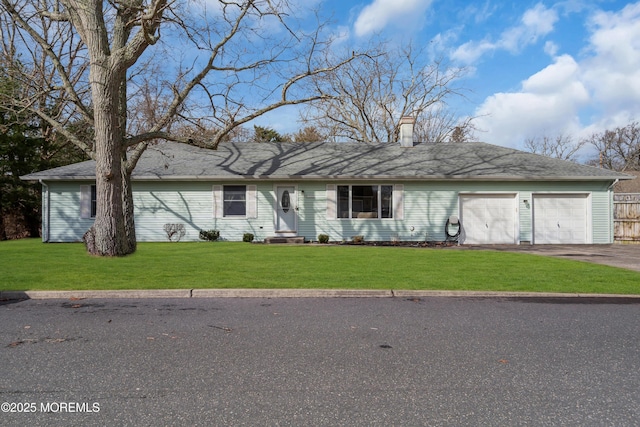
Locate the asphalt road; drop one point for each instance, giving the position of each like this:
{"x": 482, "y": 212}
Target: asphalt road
{"x": 337, "y": 361}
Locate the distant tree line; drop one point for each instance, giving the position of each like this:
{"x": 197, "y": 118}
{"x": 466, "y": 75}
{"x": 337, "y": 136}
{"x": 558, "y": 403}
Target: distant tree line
{"x": 27, "y": 145}
{"x": 616, "y": 149}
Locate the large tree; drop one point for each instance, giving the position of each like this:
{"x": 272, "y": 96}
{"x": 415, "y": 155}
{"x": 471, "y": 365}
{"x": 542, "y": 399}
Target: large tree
{"x": 372, "y": 95}
{"x": 222, "y": 63}
{"x": 618, "y": 149}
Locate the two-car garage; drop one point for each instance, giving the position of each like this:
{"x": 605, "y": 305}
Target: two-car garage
{"x": 554, "y": 218}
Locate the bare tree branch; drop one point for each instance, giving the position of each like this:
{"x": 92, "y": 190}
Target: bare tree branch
{"x": 560, "y": 147}
{"x": 618, "y": 149}
{"x": 372, "y": 93}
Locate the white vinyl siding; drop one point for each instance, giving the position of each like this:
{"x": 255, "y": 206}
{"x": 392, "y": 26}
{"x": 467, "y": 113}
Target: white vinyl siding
{"x": 218, "y": 203}
{"x": 420, "y": 215}
{"x": 66, "y": 221}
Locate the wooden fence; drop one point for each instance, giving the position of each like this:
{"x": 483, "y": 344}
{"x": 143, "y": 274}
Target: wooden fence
{"x": 626, "y": 217}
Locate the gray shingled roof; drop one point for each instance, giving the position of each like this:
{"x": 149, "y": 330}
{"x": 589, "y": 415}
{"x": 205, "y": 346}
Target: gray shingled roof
{"x": 632, "y": 186}
{"x": 467, "y": 161}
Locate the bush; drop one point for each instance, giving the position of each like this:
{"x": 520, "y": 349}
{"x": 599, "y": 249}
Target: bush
{"x": 175, "y": 232}
{"x": 209, "y": 235}
{"x": 247, "y": 237}
{"x": 323, "y": 238}
{"x": 358, "y": 239}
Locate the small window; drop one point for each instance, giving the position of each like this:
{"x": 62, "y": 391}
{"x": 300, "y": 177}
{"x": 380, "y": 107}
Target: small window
{"x": 235, "y": 200}
{"x": 94, "y": 203}
{"x": 88, "y": 205}
{"x": 343, "y": 201}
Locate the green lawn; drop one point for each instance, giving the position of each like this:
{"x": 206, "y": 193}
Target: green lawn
{"x": 32, "y": 265}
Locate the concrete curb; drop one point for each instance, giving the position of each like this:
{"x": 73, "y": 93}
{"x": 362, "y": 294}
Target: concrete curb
{"x": 289, "y": 293}
{"x": 171, "y": 293}
{"x": 497, "y": 294}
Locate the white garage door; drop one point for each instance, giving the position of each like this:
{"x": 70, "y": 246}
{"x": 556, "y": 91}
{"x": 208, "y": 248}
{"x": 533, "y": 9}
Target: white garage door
{"x": 560, "y": 218}
{"x": 488, "y": 219}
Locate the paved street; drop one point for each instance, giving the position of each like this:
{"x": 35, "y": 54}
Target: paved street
{"x": 335, "y": 361}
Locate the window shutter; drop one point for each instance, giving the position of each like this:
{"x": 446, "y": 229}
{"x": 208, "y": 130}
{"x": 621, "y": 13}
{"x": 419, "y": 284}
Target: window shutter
{"x": 331, "y": 201}
{"x": 252, "y": 201}
{"x": 218, "y": 211}
{"x": 85, "y": 201}
{"x": 398, "y": 201}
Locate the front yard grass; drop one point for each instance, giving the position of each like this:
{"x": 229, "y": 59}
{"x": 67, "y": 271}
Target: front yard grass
{"x": 32, "y": 265}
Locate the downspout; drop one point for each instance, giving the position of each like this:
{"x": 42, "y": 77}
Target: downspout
{"x": 611, "y": 218}
{"x": 45, "y": 212}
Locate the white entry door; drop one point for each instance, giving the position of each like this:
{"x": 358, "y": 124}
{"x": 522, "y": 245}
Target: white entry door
{"x": 560, "y": 218}
{"x": 286, "y": 210}
{"x": 488, "y": 218}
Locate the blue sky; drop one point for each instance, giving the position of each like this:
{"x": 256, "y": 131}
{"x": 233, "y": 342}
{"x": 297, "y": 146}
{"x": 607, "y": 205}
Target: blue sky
{"x": 535, "y": 67}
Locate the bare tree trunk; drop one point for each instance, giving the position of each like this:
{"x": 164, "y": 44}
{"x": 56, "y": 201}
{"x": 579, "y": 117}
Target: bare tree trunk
{"x": 3, "y": 232}
{"x": 127, "y": 207}
{"x": 107, "y": 236}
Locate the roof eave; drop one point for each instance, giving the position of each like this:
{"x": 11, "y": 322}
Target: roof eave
{"x": 333, "y": 178}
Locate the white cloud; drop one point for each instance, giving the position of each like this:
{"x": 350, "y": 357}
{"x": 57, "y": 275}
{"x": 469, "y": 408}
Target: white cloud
{"x": 550, "y": 48}
{"x": 535, "y": 23}
{"x": 599, "y": 91}
{"x": 539, "y": 21}
{"x": 470, "y": 52}
{"x": 613, "y": 71}
{"x": 549, "y": 101}
{"x": 377, "y": 15}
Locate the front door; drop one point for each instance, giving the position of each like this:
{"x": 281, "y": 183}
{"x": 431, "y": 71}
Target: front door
{"x": 286, "y": 210}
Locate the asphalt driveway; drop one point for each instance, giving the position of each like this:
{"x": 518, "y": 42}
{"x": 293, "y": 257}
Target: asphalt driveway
{"x": 615, "y": 255}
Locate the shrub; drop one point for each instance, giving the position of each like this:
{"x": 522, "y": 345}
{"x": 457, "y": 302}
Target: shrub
{"x": 323, "y": 238}
{"x": 247, "y": 237}
{"x": 209, "y": 235}
{"x": 358, "y": 239}
{"x": 175, "y": 232}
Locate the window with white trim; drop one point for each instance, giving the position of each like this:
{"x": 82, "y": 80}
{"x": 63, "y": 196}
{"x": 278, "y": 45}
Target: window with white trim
{"x": 235, "y": 201}
{"x": 234, "y": 198}
{"x": 365, "y": 201}
{"x": 88, "y": 204}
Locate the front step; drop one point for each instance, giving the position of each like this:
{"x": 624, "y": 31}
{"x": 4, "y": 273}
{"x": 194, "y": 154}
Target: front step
{"x": 278, "y": 239}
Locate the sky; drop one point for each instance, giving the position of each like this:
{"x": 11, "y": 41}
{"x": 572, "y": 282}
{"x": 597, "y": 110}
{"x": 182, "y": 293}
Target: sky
{"x": 534, "y": 68}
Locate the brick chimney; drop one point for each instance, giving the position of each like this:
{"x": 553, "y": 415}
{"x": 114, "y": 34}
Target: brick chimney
{"x": 406, "y": 131}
